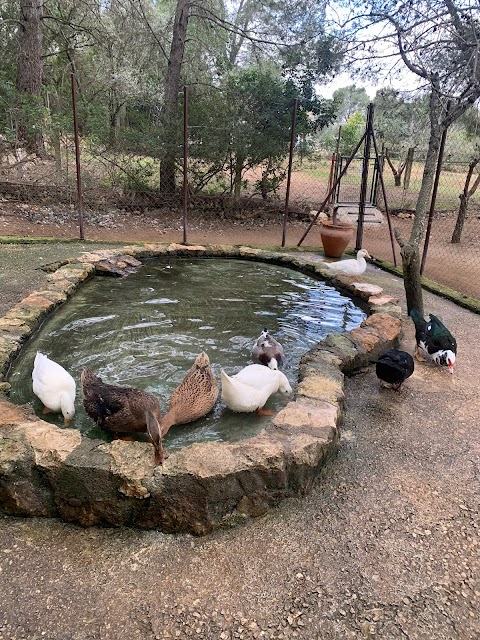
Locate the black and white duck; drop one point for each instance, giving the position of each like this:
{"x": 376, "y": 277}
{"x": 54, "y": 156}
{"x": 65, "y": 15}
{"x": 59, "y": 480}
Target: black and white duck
{"x": 122, "y": 410}
{"x": 434, "y": 340}
{"x": 394, "y": 367}
{"x": 268, "y": 351}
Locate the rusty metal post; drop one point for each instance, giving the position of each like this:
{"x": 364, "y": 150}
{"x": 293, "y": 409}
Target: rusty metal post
{"x": 289, "y": 173}
{"x": 434, "y": 194}
{"x": 337, "y": 158}
{"x": 332, "y": 189}
{"x": 364, "y": 183}
{"x": 77, "y": 156}
{"x": 185, "y": 161}
{"x": 330, "y": 177}
{"x": 384, "y": 193}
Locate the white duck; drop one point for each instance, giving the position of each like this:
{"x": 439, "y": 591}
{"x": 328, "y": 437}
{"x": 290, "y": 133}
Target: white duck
{"x": 352, "y": 267}
{"x": 54, "y": 386}
{"x": 250, "y": 388}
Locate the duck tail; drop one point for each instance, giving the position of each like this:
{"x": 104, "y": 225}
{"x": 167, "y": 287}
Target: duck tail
{"x": 155, "y": 433}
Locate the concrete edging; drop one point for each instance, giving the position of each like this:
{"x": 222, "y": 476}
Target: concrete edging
{"x": 53, "y": 472}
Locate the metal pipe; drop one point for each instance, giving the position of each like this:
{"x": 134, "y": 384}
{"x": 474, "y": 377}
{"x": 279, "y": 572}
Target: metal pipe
{"x": 384, "y": 194}
{"x": 330, "y": 177}
{"x": 364, "y": 183}
{"x": 185, "y": 161}
{"x": 434, "y": 193}
{"x": 332, "y": 189}
{"x": 337, "y": 162}
{"x": 77, "y": 156}
{"x": 289, "y": 173}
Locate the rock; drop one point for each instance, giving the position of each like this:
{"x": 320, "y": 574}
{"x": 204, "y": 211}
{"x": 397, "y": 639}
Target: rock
{"x": 12, "y": 414}
{"x": 382, "y": 299}
{"x": 365, "y": 290}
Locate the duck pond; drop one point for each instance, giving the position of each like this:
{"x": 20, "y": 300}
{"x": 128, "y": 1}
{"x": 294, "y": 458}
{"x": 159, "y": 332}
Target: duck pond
{"x": 145, "y": 330}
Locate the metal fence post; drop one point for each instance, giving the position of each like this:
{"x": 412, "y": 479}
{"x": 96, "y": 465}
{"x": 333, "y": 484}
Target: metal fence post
{"x": 363, "y": 186}
{"x": 434, "y": 194}
{"x": 289, "y": 174}
{"x": 185, "y": 161}
{"x": 77, "y": 155}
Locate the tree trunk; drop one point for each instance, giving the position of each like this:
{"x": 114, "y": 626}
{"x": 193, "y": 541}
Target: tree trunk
{"x": 172, "y": 88}
{"x": 237, "y": 181}
{"x": 30, "y": 67}
{"x": 410, "y": 250}
{"x": 462, "y": 213}
{"x": 264, "y": 187}
{"x": 397, "y": 175}
{"x": 411, "y": 277}
{"x": 464, "y": 200}
{"x": 408, "y": 167}
{"x": 57, "y": 151}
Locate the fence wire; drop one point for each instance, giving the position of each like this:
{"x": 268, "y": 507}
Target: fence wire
{"x": 231, "y": 175}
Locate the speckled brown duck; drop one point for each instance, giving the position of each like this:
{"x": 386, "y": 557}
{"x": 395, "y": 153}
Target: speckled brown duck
{"x": 194, "y": 397}
{"x": 122, "y": 410}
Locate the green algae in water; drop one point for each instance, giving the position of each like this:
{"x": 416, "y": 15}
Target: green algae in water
{"x": 146, "y": 330}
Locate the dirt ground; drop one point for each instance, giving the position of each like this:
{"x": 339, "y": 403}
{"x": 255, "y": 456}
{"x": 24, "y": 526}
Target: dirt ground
{"x": 386, "y": 545}
{"x": 456, "y": 266}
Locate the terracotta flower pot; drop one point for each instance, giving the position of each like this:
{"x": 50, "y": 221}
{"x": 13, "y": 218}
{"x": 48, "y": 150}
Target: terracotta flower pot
{"x": 335, "y": 237}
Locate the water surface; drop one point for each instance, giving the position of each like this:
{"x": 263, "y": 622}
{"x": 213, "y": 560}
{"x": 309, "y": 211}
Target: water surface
{"x": 145, "y": 330}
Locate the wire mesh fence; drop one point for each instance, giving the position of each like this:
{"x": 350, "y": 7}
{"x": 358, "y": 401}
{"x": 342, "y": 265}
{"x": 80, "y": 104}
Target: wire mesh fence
{"x": 237, "y": 166}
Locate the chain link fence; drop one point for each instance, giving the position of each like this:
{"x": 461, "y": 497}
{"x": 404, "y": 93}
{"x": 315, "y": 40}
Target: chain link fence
{"x": 237, "y": 168}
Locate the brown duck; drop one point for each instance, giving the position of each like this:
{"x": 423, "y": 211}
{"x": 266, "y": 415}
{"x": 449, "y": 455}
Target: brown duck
{"x": 195, "y": 396}
{"x": 123, "y": 410}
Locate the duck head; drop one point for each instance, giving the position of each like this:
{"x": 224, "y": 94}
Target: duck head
{"x": 363, "y": 253}
{"x": 67, "y": 407}
{"x": 284, "y": 384}
{"x": 202, "y": 361}
{"x": 445, "y": 358}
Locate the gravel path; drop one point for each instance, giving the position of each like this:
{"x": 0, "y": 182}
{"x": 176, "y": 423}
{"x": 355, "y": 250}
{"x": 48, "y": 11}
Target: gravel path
{"x": 386, "y": 544}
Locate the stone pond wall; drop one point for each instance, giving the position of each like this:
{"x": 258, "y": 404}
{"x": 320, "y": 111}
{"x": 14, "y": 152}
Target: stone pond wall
{"x": 56, "y": 472}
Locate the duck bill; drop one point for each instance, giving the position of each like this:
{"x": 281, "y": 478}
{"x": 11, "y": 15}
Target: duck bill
{"x": 451, "y": 368}
{"x": 67, "y": 421}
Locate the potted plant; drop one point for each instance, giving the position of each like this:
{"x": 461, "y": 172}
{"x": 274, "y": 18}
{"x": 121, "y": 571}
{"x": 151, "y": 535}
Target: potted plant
{"x": 335, "y": 235}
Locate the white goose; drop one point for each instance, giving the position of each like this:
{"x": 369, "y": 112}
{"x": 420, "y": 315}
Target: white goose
{"x": 352, "y": 267}
{"x": 54, "y": 386}
{"x": 250, "y": 388}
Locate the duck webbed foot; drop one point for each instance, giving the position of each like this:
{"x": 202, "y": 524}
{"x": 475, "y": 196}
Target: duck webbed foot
{"x": 417, "y": 355}
{"x": 264, "y": 412}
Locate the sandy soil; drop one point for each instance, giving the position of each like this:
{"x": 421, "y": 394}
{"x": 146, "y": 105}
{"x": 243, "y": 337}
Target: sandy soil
{"x": 386, "y": 545}
{"x": 457, "y": 266}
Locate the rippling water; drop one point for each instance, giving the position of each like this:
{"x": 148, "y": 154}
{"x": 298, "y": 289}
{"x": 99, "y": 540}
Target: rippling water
{"x": 145, "y": 331}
